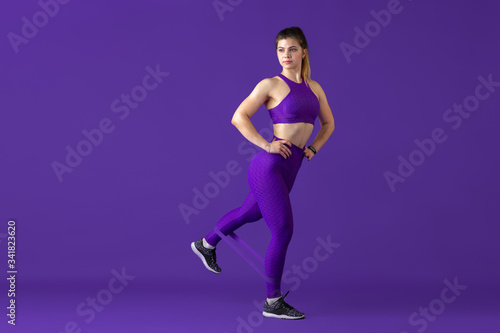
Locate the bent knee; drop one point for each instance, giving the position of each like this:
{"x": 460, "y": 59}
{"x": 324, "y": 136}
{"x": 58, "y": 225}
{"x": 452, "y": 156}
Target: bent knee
{"x": 284, "y": 234}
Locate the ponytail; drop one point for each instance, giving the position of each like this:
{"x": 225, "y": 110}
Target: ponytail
{"x": 306, "y": 68}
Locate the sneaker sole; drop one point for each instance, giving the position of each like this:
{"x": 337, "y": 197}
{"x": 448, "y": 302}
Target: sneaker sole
{"x": 272, "y": 315}
{"x": 200, "y": 255}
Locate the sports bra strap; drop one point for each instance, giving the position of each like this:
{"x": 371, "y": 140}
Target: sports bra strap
{"x": 287, "y": 80}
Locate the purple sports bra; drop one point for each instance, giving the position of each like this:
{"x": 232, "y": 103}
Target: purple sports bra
{"x": 300, "y": 105}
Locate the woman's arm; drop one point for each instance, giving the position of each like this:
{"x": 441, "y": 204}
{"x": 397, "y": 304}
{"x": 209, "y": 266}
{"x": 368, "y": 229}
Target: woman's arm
{"x": 242, "y": 115}
{"x": 325, "y": 118}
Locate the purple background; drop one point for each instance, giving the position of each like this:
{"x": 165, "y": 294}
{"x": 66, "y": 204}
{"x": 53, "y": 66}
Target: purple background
{"x": 120, "y": 207}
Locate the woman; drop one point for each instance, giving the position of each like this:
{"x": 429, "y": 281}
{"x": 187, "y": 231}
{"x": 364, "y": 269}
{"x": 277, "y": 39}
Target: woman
{"x": 294, "y": 102}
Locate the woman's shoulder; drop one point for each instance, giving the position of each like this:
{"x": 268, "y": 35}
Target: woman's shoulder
{"x": 271, "y": 80}
{"x": 315, "y": 86}
{"x": 268, "y": 83}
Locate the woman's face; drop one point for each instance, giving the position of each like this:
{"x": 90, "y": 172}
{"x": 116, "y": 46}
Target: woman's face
{"x": 290, "y": 54}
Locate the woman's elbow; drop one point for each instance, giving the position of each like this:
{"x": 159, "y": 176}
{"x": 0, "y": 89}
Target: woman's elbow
{"x": 238, "y": 119}
{"x": 234, "y": 121}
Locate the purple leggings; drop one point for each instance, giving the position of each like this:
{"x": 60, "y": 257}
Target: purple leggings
{"x": 270, "y": 177}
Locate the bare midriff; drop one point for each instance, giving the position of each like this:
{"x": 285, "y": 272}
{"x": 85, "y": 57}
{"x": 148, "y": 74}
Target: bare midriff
{"x": 296, "y": 133}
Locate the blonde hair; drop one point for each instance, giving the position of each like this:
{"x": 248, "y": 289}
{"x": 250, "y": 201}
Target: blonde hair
{"x": 297, "y": 34}
{"x": 306, "y": 68}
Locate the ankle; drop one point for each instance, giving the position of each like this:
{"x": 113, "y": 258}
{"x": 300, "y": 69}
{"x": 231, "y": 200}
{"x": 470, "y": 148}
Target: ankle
{"x": 206, "y": 245}
{"x": 270, "y": 301}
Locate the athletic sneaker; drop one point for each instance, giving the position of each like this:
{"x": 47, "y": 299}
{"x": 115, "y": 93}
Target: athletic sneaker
{"x": 206, "y": 255}
{"x": 282, "y": 310}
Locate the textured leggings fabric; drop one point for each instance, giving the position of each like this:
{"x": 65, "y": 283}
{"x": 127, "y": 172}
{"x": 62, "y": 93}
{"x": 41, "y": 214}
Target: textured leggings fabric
{"x": 270, "y": 177}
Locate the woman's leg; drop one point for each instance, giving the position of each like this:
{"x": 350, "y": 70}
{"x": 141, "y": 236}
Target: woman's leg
{"x": 248, "y": 212}
{"x": 271, "y": 178}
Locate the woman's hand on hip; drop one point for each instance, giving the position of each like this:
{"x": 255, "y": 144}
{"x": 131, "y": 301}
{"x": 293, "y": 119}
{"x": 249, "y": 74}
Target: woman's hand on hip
{"x": 308, "y": 153}
{"x": 281, "y": 147}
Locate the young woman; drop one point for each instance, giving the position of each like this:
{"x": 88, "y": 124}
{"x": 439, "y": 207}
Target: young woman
{"x": 294, "y": 102}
